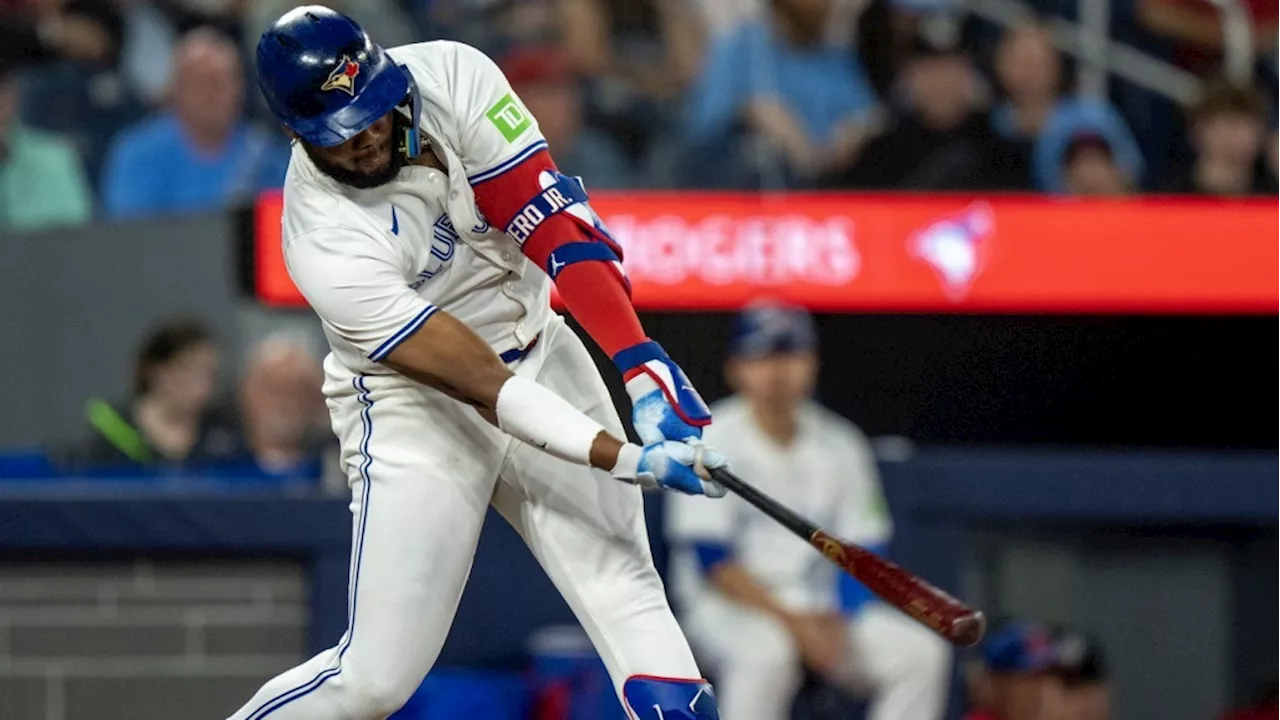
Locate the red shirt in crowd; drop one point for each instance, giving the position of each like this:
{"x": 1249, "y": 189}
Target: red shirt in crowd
{"x": 1265, "y": 13}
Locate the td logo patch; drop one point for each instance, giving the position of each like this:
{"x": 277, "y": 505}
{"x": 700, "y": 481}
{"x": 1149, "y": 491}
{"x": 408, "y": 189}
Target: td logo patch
{"x": 510, "y": 119}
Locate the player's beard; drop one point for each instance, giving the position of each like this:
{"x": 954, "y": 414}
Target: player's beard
{"x": 355, "y": 178}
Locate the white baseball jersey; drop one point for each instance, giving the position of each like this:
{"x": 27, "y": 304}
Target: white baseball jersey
{"x": 827, "y": 474}
{"x": 375, "y": 264}
{"x": 424, "y": 468}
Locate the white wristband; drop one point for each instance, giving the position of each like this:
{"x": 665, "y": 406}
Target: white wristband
{"x": 530, "y": 412}
{"x": 628, "y": 465}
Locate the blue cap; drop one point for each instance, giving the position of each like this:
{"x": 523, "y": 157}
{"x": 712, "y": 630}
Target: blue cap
{"x": 1019, "y": 648}
{"x": 768, "y": 328}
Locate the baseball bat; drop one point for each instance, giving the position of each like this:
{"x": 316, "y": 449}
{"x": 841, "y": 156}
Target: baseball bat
{"x": 945, "y": 615}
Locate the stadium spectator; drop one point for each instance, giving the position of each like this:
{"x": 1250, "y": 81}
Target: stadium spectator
{"x": 1040, "y": 122}
{"x": 1272, "y": 159}
{"x": 1082, "y": 670}
{"x": 1015, "y": 680}
{"x": 384, "y": 19}
{"x": 804, "y": 99}
{"x": 637, "y": 57}
{"x": 1097, "y": 125}
{"x": 42, "y": 184}
{"x": 885, "y": 38}
{"x": 171, "y": 420}
{"x": 1089, "y": 167}
{"x": 923, "y": 10}
{"x": 495, "y": 27}
{"x": 72, "y": 83}
{"x": 1227, "y": 132}
{"x": 722, "y": 17}
{"x": 285, "y": 422}
{"x": 188, "y": 15}
{"x": 147, "y": 55}
{"x": 942, "y": 141}
{"x": 544, "y": 82}
{"x": 201, "y": 154}
{"x": 1195, "y": 27}
{"x": 1029, "y": 71}
{"x": 524, "y": 22}
{"x": 153, "y": 27}
{"x": 38, "y": 32}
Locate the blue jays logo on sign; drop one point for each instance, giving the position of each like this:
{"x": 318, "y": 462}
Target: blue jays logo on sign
{"x": 957, "y": 247}
{"x": 343, "y": 77}
{"x": 443, "y": 239}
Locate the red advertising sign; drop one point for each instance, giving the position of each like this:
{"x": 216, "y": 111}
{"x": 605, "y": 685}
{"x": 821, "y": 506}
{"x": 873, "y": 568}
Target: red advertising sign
{"x": 849, "y": 252}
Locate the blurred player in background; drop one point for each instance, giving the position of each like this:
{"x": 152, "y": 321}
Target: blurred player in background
{"x": 1082, "y": 670}
{"x": 758, "y": 601}
{"x": 1017, "y": 678}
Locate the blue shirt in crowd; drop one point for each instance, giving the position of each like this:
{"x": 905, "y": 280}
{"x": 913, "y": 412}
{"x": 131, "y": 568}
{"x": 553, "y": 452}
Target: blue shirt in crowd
{"x": 153, "y": 169}
{"x": 1071, "y": 117}
{"x": 822, "y": 85}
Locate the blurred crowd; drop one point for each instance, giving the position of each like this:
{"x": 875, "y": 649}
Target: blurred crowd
{"x": 127, "y": 108}
{"x": 173, "y": 419}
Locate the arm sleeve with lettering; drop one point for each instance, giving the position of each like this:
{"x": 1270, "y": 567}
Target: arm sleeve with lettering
{"x": 357, "y": 286}
{"x": 508, "y": 164}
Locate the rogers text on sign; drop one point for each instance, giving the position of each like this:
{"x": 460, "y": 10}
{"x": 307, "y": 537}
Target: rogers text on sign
{"x": 844, "y": 252}
{"x": 722, "y": 250}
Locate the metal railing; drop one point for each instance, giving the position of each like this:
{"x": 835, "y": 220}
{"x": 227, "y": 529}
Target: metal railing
{"x": 1237, "y": 40}
{"x": 1098, "y": 55}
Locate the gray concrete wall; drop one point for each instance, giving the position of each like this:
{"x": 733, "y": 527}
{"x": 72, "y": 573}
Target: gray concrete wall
{"x": 143, "y": 640}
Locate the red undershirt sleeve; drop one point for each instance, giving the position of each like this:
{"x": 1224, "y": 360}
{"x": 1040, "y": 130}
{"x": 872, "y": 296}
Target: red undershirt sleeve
{"x": 594, "y": 291}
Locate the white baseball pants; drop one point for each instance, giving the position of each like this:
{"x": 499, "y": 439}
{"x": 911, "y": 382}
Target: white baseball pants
{"x": 902, "y": 667}
{"x": 423, "y": 469}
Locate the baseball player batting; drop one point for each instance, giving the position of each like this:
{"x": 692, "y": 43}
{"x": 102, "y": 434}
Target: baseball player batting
{"x": 424, "y": 221}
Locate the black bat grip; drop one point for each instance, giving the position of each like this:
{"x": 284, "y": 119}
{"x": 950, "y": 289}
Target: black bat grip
{"x": 797, "y": 524}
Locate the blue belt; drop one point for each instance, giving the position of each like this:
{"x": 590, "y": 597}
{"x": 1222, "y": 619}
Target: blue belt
{"x": 515, "y": 354}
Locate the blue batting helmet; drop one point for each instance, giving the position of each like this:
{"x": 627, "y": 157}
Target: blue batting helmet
{"x": 327, "y": 81}
{"x": 766, "y": 328}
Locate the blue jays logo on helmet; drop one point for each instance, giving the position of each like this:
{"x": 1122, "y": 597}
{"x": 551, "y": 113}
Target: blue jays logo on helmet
{"x": 312, "y": 51}
{"x": 343, "y": 77}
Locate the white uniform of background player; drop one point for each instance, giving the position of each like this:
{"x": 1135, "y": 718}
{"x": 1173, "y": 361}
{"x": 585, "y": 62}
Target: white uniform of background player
{"x": 825, "y": 471}
{"x": 378, "y": 265}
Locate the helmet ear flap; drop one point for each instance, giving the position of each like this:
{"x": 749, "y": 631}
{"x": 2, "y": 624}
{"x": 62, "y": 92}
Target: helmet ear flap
{"x": 408, "y": 116}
